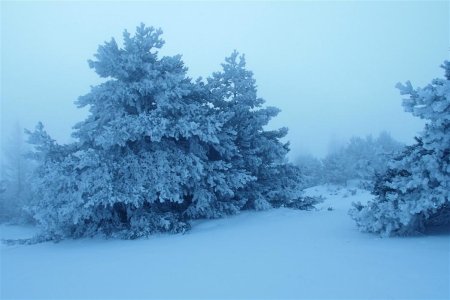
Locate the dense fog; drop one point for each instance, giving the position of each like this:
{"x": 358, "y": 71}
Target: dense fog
{"x": 249, "y": 149}
{"x": 330, "y": 67}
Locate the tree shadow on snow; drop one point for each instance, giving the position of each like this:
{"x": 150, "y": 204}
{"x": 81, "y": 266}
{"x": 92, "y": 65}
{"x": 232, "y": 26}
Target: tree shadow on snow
{"x": 438, "y": 230}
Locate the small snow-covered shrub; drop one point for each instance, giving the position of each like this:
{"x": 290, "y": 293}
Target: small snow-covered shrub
{"x": 414, "y": 192}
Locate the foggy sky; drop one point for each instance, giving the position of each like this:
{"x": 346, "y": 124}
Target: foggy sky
{"x": 331, "y": 67}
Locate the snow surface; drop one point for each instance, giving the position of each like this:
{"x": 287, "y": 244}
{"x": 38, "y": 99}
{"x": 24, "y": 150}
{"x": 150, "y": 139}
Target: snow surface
{"x": 280, "y": 253}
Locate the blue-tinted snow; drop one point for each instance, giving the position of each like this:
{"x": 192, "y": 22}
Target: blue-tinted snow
{"x": 278, "y": 253}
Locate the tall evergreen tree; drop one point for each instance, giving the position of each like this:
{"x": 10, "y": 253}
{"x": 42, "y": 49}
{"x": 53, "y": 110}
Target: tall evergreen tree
{"x": 157, "y": 150}
{"x": 415, "y": 191}
{"x": 141, "y": 157}
{"x": 259, "y": 151}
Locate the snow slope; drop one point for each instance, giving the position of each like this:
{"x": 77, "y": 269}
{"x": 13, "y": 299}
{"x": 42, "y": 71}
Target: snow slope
{"x": 272, "y": 254}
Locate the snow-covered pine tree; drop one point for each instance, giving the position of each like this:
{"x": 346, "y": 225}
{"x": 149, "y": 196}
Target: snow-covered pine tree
{"x": 415, "y": 191}
{"x": 158, "y": 150}
{"x": 248, "y": 145}
{"x": 142, "y": 158}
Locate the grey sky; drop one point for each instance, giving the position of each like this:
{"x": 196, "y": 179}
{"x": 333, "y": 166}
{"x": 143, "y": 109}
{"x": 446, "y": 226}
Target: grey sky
{"x": 330, "y": 66}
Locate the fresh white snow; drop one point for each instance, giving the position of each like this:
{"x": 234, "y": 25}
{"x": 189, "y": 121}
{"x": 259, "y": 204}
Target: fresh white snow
{"x": 280, "y": 253}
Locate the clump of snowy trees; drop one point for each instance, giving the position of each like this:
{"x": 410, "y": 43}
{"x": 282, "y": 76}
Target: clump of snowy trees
{"x": 360, "y": 159}
{"x": 311, "y": 168}
{"x": 414, "y": 192}
{"x": 15, "y": 179}
{"x": 159, "y": 149}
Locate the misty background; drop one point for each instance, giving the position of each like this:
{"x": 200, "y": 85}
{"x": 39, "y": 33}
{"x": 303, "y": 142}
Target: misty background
{"x": 331, "y": 67}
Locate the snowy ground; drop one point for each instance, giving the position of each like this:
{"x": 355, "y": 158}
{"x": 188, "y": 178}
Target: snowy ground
{"x": 273, "y": 254}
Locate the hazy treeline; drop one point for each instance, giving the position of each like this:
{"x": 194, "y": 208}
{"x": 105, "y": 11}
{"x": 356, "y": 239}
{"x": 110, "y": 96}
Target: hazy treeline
{"x": 15, "y": 178}
{"x": 358, "y": 159}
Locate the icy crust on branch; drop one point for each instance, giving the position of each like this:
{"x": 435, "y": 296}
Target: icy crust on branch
{"x": 414, "y": 193}
{"x": 159, "y": 149}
